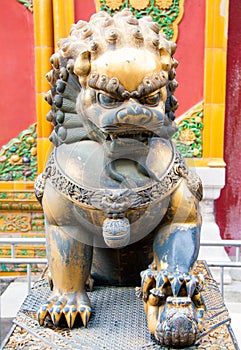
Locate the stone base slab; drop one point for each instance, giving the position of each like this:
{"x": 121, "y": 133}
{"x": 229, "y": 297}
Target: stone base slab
{"x": 118, "y": 322}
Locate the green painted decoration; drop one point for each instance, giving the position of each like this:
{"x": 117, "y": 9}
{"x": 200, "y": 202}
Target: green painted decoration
{"x": 27, "y": 3}
{"x": 18, "y": 159}
{"x": 165, "y": 14}
{"x": 188, "y": 138}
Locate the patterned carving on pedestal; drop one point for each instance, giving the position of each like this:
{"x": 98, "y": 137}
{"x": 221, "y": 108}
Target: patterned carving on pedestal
{"x": 20, "y": 216}
{"x": 19, "y": 200}
{"x": 15, "y": 222}
{"x": 21, "y": 224}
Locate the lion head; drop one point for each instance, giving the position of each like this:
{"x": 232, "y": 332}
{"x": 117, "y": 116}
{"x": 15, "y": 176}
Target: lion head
{"x": 113, "y": 77}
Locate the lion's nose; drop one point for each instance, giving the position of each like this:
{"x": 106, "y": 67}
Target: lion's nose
{"x": 134, "y": 113}
{"x": 134, "y": 109}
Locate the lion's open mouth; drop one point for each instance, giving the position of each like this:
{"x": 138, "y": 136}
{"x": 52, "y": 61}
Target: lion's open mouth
{"x": 141, "y": 136}
{"x": 124, "y": 131}
{"x": 120, "y": 129}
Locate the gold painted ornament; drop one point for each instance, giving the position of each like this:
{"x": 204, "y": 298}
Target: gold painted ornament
{"x": 114, "y": 4}
{"x": 164, "y": 4}
{"x": 139, "y": 5}
{"x": 187, "y": 136}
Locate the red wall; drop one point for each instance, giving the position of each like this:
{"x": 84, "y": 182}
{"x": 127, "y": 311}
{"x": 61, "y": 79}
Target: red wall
{"x": 84, "y": 9}
{"x": 17, "y": 86}
{"x": 228, "y": 206}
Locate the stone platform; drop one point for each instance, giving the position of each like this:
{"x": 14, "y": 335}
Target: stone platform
{"x": 118, "y": 322}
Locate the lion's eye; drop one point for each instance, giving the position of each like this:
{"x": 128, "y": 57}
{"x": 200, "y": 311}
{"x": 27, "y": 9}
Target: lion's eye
{"x": 107, "y": 101}
{"x": 151, "y": 100}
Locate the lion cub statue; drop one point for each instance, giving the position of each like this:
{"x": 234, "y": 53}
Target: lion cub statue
{"x": 118, "y": 199}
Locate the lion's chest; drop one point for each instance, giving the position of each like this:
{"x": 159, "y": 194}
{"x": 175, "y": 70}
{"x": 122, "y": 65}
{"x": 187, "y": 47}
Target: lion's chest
{"x": 90, "y": 164}
{"x": 86, "y": 194}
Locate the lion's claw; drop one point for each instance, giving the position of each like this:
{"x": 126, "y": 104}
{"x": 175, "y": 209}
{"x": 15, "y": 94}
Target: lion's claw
{"x": 176, "y": 283}
{"x": 85, "y": 312}
{"x": 159, "y": 279}
{"x": 42, "y": 314}
{"x": 66, "y": 309}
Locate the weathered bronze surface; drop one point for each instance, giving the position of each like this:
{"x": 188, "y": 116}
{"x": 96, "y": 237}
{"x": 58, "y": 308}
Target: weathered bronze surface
{"x": 116, "y": 193}
{"x": 118, "y": 322}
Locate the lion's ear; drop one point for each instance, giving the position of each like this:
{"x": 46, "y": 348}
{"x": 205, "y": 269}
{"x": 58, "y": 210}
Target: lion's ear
{"x": 167, "y": 50}
{"x": 165, "y": 59}
{"x": 82, "y": 64}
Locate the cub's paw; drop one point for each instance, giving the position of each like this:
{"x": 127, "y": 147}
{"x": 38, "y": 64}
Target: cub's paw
{"x": 68, "y": 308}
{"x": 179, "y": 323}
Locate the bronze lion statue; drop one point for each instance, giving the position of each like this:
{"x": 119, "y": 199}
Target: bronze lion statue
{"x": 118, "y": 199}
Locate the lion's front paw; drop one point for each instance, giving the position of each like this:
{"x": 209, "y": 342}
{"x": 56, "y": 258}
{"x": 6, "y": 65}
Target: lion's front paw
{"x": 179, "y": 323}
{"x": 156, "y": 282}
{"x": 66, "y": 308}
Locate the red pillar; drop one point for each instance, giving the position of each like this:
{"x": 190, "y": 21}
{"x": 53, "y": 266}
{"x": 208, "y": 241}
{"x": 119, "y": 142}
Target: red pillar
{"x": 228, "y": 206}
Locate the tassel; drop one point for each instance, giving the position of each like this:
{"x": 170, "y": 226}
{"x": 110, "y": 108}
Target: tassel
{"x": 116, "y": 232}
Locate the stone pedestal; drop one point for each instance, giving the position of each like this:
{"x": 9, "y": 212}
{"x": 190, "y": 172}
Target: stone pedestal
{"x": 213, "y": 180}
{"x": 118, "y": 322}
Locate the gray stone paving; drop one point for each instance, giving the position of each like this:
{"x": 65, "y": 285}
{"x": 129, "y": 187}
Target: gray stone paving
{"x": 14, "y": 291}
